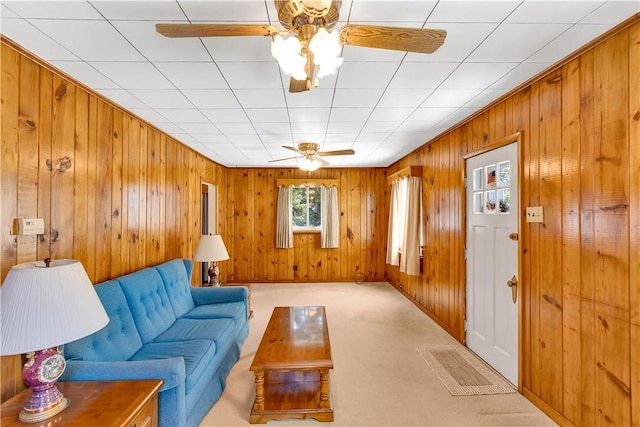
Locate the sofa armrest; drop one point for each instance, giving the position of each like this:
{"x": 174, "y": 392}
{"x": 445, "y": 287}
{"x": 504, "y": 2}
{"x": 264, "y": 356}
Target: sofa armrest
{"x": 216, "y": 295}
{"x": 171, "y": 370}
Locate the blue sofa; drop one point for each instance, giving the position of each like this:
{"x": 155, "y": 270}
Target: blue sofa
{"x": 163, "y": 328}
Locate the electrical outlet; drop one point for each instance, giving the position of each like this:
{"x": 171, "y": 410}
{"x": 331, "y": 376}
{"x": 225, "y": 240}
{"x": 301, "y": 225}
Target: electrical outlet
{"x": 295, "y": 268}
{"x": 535, "y": 214}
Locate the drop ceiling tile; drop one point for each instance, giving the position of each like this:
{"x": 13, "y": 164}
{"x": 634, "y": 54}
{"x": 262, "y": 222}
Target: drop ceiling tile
{"x": 360, "y": 75}
{"x": 226, "y": 115}
{"x": 316, "y": 97}
{"x": 261, "y": 98}
{"x": 133, "y": 75}
{"x": 184, "y": 115}
{"x": 206, "y": 99}
{"x": 363, "y": 11}
{"x": 613, "y": 12}
{"x": 242, "y": 139}
{"x": 472, "y": 11}
{"x": 396, "y": 98}
{"x": 86, "y": 74}
{"x": 307, "y": 136}
{"x": 380, "y": 127}
{"x": 236, "y": 49}
{"x": 350, "y": 114}
{"x": 520, "y": 74}
{"x": 486, "y": 97}
{"x": 562, "y": 11}
{"x": 302, "y": 115}
{"x": 255, "y": 75}
{"x": 99, "y": 40}
{"x": 314, "y": 127}
{"x": 339, "y": 138}
{"x": 470, "y": 75}
{"x": 209, "y": 138}
{"x": 267, "y": 115}
{"x": 369, "y": 138}
{"x": 566, "y": 43}
{"x": 192, "y": 75}
{"x": 39, "y": 43}
{"x": 123, "y": 98}
{"x": 357, "y": 98}
{"x": 199, "y": 128}
{"x": 225, "y": 11}
{"x": 277, "y": 138}
{"x": 461, "y": 40}
{"x": 391, "y": 114}
{"x": 416, "y": 126}
{"x": 431, "y": 114}
{"x": 5, "y": 12}
{"x": 236, "y": 128}
{"x": 272, "y": 128}
{"x": 162, "y": 98}
{"x": 140, "y": 10}
{"x": 170, "y": 128}
{"x": 156, "y": 47}
{"x": 524, "y": 41}
{"x": 450, "y": 97}
{"x": 52, "y": 9}
{"x": 421, "y": 74}
{"x": 344, "y": 127}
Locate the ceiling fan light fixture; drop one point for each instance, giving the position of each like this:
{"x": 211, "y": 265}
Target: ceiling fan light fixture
{"x": 326, "y": 48}
{"x": 310, "y": 164}
{"x": 287, "y": 53}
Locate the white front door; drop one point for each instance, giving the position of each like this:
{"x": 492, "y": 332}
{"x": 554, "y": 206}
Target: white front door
{"x": 492, "y": 258}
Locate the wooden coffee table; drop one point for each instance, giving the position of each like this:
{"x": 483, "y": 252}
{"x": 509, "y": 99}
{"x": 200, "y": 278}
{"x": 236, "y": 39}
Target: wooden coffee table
{"x": 292, "y": 367}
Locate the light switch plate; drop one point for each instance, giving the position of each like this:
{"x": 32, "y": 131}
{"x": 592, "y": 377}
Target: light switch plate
{"x": 535, "y": 214}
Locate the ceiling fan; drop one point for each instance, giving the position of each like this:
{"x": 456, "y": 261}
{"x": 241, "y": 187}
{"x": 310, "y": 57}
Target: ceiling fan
{"x": 312, "y": 158}
{"x": 314, "y": 51}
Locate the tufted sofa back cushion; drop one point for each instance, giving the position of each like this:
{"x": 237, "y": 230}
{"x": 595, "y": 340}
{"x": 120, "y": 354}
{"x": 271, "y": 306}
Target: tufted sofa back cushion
{"x": 119, "y": 340}
{"x": 178, "y": 286}
{"x": 149, "y": 302}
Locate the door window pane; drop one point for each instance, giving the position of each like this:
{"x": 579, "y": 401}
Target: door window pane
{"x": 504, "y": 174}
{"x": 504, "y": 204}
{"x": 490, "y": 201}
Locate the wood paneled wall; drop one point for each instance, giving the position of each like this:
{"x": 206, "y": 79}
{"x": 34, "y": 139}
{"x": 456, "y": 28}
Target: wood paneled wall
{"x": 580, "y": 158}
{"x": 252, "y": 196}
{"x": 115, "y": 193}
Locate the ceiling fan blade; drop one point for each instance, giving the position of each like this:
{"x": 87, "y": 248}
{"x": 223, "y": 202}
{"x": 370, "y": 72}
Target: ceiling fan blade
{"x": 297, "y": 86}
{"x": 336, "y": 153}
{"x": 294, "y": 149}
{"x": 420, "y": 40}
{"x": 216, "y": 30}
{"x": 286, "y": 158}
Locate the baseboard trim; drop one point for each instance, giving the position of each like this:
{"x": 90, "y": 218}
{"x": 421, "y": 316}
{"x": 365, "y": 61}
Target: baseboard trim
{"x": 547, "y": 409}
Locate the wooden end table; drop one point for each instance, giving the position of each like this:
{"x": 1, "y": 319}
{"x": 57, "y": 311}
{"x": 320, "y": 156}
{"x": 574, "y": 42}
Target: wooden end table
{"x": 292, "y": 365}
{"x": 95, "y": 403}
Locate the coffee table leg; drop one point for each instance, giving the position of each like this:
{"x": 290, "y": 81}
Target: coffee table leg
{"x": 324, "y": 389}
{"x": 258, "y": 405}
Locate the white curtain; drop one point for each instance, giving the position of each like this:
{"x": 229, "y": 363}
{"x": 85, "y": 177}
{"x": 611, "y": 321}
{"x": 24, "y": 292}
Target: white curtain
{"x": 396, "y": 221}
{"x": 284, "y": 231}
{"x": 329, "y": 234}
{"x": 413, "y": 232}
{"x": 406, "y": 232}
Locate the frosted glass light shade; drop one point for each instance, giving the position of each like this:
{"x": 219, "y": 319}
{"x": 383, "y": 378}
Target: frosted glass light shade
{"x": 43, "y": 307}
{"x": 211, "y": 248}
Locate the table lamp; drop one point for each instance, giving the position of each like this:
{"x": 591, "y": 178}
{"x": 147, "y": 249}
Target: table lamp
{"x": 211, "y": 249}
{"x": 44, "y": 305}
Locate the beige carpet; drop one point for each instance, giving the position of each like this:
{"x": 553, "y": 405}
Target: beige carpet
{"x": 378, "y": 378}
{"x": 462, "y": 372}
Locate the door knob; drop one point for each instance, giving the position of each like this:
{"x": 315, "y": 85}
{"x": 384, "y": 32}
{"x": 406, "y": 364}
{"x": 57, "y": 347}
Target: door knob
{"x": 513, "y": 284}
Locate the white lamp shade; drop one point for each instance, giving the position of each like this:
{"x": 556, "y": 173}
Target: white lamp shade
{"x": 211, "y": 248}
{"x": 45, "y": 307}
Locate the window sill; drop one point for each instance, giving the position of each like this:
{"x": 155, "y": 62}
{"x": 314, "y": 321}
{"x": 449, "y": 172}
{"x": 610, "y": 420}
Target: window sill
{"x": 307, "y": 231}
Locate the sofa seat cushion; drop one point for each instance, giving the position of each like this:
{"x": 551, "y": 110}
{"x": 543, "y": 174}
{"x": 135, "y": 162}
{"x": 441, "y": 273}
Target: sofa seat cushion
{"x": 117, "y": 341}
{"x": 234, "y": 310}
{"x": 198, "y": 357}
{"x": 218, "y": 330}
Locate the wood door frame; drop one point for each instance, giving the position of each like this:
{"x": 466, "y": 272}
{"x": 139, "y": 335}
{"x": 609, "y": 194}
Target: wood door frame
{"x": 517, "y": 138}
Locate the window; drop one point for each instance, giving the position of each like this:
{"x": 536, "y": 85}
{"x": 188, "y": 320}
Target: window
{"x": 306, "y": 208}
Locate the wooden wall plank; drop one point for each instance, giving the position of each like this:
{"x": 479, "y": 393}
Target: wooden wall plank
{"x": 571, "y": 372}
{"x": 84, "y": 181}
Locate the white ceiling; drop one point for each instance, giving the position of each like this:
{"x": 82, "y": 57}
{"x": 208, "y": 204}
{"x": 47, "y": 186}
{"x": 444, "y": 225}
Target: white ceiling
{"x": 227, "y": 98}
